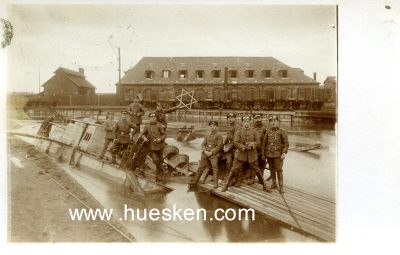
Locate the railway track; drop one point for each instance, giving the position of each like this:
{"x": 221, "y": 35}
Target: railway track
{"x": 35, "y": 157}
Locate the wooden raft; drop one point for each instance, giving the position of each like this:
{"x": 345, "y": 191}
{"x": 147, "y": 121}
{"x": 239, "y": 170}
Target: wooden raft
{"x": 308, "y": 213}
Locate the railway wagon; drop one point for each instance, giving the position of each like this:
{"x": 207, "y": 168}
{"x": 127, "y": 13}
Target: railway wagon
{"x": 235, "y": 97}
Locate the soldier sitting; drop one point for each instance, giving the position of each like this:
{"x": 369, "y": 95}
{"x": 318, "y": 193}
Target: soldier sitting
{"x": 246, "y": 141}
{"x": 275, "y": 146}
{"x": 211, "y": 146}
{"x": 155, "y": 133}
{"x": 122, "y": 130}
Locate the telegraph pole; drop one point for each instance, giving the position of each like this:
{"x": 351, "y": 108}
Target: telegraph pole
{"x": 119, "y": 66}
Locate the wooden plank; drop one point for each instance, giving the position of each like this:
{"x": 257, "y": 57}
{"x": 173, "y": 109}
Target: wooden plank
{"x": 298, "y": 205}
{"x": 302, "y": 218}
{"x": 270, "y": 205}
{"x": 279, "y": 202}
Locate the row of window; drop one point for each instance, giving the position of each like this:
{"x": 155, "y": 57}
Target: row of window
{"x": 199, "y": 74}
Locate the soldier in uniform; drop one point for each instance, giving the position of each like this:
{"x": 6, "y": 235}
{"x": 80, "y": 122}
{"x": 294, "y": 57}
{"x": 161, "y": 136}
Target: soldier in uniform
{"x": 160, "y": 113}
{"x": 275, "y": 146}
{"x": 110, "y": 136}
{"x": 122, "y": 131}
{"x": 136, "y": 112}
{"x": 155, "y": 133}
{"x": 260, "y": 129}
{"x": 229, "y": 147}
{"x": 246, "y": 141}
{"x": 211, "y": 146}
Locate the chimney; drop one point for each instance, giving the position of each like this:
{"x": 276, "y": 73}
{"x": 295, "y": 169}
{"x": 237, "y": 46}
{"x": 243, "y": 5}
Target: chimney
{"x": 82, "y": 71}
{"x": 315, "y": 76}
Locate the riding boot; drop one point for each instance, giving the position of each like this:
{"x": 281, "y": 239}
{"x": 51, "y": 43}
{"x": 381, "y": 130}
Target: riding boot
{"x": 239, "y": 178}
{"x": 230, "y": 177}
{"x": 252, "y": 177}
{"x": 215, "y": 174}
{"x": 261, "y": 180}
{"x": 196, "y": 178}
{"x": 114, "y": 159}
{"x": 280, "y": 180}
{"x": 206, "y": 175}
{"x": 273, "y": 177}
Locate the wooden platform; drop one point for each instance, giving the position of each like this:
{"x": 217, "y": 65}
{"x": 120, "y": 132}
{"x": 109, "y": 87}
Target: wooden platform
{"x": 308, "y": 213}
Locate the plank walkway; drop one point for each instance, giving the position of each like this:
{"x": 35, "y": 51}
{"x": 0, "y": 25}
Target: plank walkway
{"x": 304, "y": 212}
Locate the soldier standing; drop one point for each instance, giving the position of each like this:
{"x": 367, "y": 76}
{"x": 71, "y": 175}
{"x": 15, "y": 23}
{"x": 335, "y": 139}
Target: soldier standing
{"x": 260, "y": 129}
{"x": 110, "y": 136}
{"x": 246, "y": 141}
{"x": 211, "y": 146}
{"x": 136, "y": 112}
{"x": 122, "y": 132}
{"x": 160, "y": 113}
{"x": 229, "y": 147}
{"x": 155, "y": 133}
{"x": 275, "y": 146}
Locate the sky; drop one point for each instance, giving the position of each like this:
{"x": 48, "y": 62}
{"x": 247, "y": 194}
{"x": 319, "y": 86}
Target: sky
{"x": 88, "y": 36}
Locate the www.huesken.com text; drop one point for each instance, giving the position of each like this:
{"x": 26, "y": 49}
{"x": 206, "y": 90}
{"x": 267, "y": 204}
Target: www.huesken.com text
{"x": 165, "y": 214}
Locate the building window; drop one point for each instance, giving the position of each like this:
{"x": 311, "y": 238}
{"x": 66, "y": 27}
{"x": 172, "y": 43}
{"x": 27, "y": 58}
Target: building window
{"x": 249, "y": 73}
{"x": 232, "y": 74}
{"x": 182, "y": 73}
{"x": 149, "y": 74}
{"x": 283, "y": 73}
{"x": 267, "y": 73}
{"x": 199, "y": 74}
{"x": 166, "y": 73}
{"x": 216, "y": 73}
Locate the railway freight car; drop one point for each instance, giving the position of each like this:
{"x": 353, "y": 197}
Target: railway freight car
{"x": 222, "y": 82}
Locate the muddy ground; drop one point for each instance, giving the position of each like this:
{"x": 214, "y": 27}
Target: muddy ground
{"x": 38, "y": 207}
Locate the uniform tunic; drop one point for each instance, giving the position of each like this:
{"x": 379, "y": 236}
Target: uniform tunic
{"x": 136, "y": 111}
{"x": 109, "y": 137}
{"x": 122, "y": 131}
{"x": 275, "y": 143}
{"x": 153, "y": 131}
{"x": 229, "y": 145}
{"x": 242, "y": 137}
{"x": 212, "y": 142}
{"x": 161, "y": 114}
{"x": 260, "y": 129}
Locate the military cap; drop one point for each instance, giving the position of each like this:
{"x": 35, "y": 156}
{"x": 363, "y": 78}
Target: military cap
{"x": 273, "y": 117}
{"x": 213, "y": 122}
{"x": 124, "y": 112}
{"x": 255, "y": 116}
{"x": 231, "y": 115}
{"x": 110, "y": 113}
{"x": 152, "y": 114}
{"x": 246, "y": 117}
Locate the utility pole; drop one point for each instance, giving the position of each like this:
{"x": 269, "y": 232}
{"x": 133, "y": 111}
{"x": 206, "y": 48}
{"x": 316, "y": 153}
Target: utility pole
{"x": 119, "y": 66}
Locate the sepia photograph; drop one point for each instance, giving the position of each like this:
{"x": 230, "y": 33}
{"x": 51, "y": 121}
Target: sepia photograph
{"x": 171, "y": 123}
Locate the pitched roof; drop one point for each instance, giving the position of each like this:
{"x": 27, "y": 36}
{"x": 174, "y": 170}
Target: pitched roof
{"x": 76, "y": 77}
{"x": 330, "y": 79}
{"x": 136, "y": 75}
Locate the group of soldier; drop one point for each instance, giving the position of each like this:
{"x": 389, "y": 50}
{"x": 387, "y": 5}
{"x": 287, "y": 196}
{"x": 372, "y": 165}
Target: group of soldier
{"x": 252, "y": 144}
{"x": 121, "y": 133}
